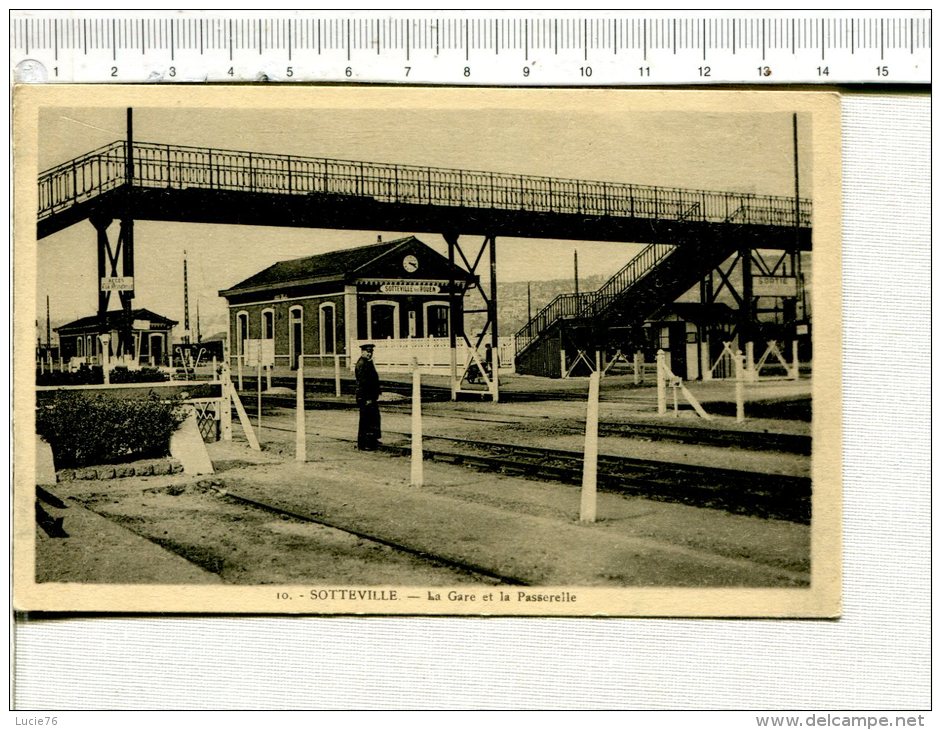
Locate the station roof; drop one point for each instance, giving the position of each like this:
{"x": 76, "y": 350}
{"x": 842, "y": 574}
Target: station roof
{"x": 112, "y": 320}
{"x": 715, "y": 312}
{"x": 347, "y": 265}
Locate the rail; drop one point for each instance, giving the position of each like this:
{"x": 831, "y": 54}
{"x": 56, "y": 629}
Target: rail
{"x": 178, "y": 167}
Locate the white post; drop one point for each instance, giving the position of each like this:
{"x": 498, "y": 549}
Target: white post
{"x": 336, "y": 372}
{"x": 238, "y": 360}
{"x": 225, "y": 416}
{"x": 42, "y": 365}
{"x": 795, "y": 363}
{"x": 300, "y": 428}
{"x": 454, "y": 374}
{"x": 661, "y": 383}
{"x": 598, "y": 362}
{"x": 750, "y": 373}
{"x": 739, "y": 387}
{"x": 105, "y": 339}
{"x": 638, "y": 367}
{"x": 562, "y": 361}
{"x": 226, "y": 377}
{"x": 215, "y": 375}
{"x": 706, "y": 366}
{"x": 258, "y": 372}
{"x": 268, "y": 375}
{"x": 418, "y": 464}
{"x": 589, "y": 503}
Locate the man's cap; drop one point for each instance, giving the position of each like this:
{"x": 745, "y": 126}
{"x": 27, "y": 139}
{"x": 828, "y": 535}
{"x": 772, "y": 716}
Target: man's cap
{"x": 367, "y": 346}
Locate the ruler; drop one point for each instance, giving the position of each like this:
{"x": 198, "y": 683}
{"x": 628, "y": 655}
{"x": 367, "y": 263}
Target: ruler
{"x": 518, "y": 48}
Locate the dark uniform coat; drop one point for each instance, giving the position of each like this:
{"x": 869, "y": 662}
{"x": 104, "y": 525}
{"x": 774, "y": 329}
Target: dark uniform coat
{"x": 367, "y": 398}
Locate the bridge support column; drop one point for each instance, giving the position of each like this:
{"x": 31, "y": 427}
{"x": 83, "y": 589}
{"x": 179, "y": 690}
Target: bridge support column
{"x": 746, "y": 327}
{"x": 110, "y": 280}
{"x": 473, "y": 263}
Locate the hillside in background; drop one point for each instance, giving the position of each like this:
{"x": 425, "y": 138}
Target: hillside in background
{"x": 511, "y": 299}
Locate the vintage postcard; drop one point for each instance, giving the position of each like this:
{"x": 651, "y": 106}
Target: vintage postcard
{"x": 325, "y": 350}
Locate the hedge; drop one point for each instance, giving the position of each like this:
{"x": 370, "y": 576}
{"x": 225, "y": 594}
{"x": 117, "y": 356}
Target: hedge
{"x": 93, "y": 376}
{"x": 86, "y": 430}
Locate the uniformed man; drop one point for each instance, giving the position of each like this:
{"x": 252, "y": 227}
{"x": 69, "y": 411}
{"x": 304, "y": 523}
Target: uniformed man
{"x": 367, "y": 398}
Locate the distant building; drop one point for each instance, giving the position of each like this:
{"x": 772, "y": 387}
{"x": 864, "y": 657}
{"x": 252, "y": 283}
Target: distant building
{"x": 324, "y": 305}
{"x": 151, "y": 333}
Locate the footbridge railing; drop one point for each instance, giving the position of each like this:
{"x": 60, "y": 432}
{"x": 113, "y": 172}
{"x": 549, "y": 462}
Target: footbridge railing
{"x": 177, "y": 167}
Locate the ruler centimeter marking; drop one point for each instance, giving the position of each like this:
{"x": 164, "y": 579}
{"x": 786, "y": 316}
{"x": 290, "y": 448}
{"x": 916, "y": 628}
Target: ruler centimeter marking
{"x": 474, "y": 48}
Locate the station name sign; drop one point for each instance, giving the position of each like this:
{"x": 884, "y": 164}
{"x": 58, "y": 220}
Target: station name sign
{"x": 774, "y": 286}
{"x": 410, "y": 288}
{"x": 117, "y": 283}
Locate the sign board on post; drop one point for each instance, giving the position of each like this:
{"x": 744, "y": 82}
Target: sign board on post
{"x": 774, "y": 286}
{"x": 117, "y": 283}
{"x": 259, "y": 352}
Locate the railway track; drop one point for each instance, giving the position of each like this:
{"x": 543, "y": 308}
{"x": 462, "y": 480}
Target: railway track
{"x": 751, "y": 440}
{"x": 771, "y": 496}
{"x": 484, "y": 574}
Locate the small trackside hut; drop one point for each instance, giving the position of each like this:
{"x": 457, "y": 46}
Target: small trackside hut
{"x": 396, "y": 294}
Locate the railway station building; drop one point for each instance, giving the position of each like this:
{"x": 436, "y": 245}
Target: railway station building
{"x": 397, "y": 294}
{"x": 151, "y": 334}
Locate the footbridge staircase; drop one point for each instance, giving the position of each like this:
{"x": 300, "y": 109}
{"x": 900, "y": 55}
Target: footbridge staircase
{"x": 655, "y": 277}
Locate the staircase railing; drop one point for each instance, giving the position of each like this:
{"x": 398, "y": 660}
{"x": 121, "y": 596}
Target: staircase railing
{"x": 564, "y": 305}
{"x": 178, "y": 167}
{"x": 641, "y": 265}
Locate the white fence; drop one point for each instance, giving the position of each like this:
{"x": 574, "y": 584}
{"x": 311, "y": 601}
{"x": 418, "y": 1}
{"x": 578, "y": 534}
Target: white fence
{"x": 432, "y": 354}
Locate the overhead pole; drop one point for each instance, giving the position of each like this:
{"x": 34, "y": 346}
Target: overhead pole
{"x": 451, "y": 238}
{"x": 796, "y": 255}
{"x": 186, "y": 302}
{"x": 576, "y": 272}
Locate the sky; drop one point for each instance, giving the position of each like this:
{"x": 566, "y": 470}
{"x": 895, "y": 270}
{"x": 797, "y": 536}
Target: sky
{"x": 741, "y": 152}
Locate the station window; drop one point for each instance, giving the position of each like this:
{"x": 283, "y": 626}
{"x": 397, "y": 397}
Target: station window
{"x": 328, "y": 328}
{"x": 383, "y": 320}
{"x": 436, "y": 319}
{"x": 663, "y": 342}
{"x": 296, "y": 334}
{"x": 241, "y": 334}
{"x": 267, "y": 324}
